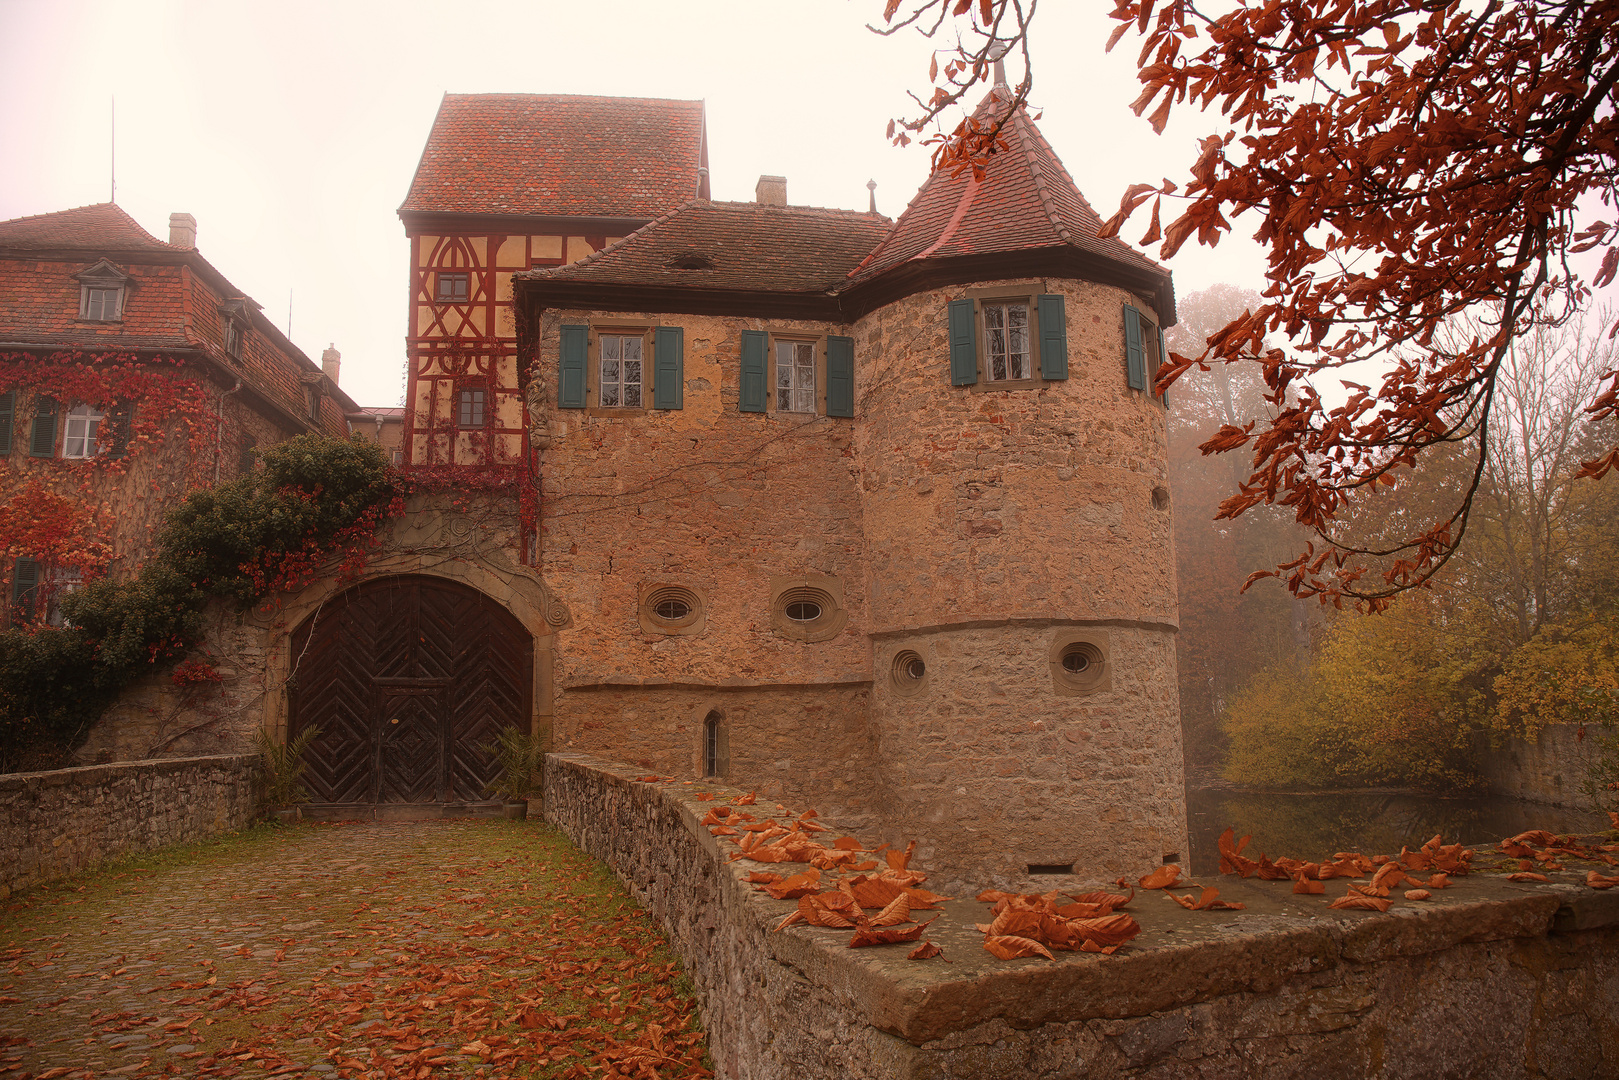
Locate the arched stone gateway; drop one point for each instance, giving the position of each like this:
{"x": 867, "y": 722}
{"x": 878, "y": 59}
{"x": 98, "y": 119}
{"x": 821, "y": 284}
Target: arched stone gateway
{"x": 407, "y": 678}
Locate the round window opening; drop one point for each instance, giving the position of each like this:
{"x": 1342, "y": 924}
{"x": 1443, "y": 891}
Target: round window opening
{"x": 803, "y": 611}
{"x": 907, "y": 672}
{"x": 671, "y": 609}
{"x": 1081, "y": 666}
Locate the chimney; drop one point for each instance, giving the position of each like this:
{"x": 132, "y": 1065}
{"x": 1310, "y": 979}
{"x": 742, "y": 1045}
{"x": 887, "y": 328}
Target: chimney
{"x": 183, "y": 231}
{"x": 771, "y": 191}
{"x": 330, "y": 361}
{"x": 871, "y": 186}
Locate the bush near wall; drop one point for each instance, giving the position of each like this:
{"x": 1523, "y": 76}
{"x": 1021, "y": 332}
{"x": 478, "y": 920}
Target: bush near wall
{"x": 315, "y": 499}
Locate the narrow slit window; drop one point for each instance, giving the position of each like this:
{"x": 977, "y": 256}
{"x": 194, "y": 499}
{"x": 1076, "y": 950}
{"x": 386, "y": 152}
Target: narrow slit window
{"x": 711, "y": 745}
{"x": 1006, "y": 342}
{"x": 795, "y": 376}
{"x": 621, "y": 371}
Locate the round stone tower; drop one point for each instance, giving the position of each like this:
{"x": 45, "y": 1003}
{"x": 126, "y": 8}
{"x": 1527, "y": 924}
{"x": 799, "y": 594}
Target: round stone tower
{"x": 1020, "y": 569}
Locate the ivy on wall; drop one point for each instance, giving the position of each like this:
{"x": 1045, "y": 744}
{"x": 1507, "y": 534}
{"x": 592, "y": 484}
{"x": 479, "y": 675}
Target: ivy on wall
{"x": 316, "y": 499}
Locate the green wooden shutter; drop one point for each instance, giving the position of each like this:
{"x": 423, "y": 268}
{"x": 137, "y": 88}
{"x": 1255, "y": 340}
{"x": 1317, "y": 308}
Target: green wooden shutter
{"x": 1163, "y": 359}
{"x": 754, "y": 387}
{"x": 963, "y": 344}
{"x": 117, "y": 427}
{"x": 571, "y": 368}
{"x": 840, "y": 376}
{"x": 668, "y": 367}
{"x": 42, "y": 441}
{"x": 8, "y": 416}
{"x": 1135, "y": 364}
{"x": 1053, "y": 337}
{"x": 25, "y": 585}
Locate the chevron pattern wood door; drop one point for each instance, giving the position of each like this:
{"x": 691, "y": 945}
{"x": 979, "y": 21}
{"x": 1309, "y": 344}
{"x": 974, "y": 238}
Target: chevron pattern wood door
{"x": 451, "y": 666}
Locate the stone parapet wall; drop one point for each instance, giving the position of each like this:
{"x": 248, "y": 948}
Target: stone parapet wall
{"x": 1548, "y": 770}
{"x": 57, "y": 823}
{"x": 1494, "y": 979}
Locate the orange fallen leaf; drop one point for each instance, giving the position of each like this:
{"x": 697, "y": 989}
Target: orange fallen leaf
{"x": 1418, "y": 894}
{"x": 899, "y": 860}
{"x": 898, "y": 911}
{"x": 722, "y": 830}
{"x": 887, "y": 935}
{"x": 1534, "y": 838}
{"x": 1015, "y": 948}
{"x": 1161, "y": 878}
{"x": 1304, "y": 886}
{"x": 1527, "y": 876}
{"x": 1113, "y": 900}
{"x": 1600, "y": 881}
{"x": 925, "y": 951}
{"x": 705, "y": 796}
{"x": 762, "y": 877}
{"x": 1364, "y": 903}
{"x": 746, "y": 800}
{"x": 846, "y": 843}
{"x": 1232, "y": 861}
{"x": 1439, "y": 881}
{"x": 815, "y": 911}
{"x": 791, "y": 888}
{"x": 1115, "y": 929}
{"x": 1209, "y": 901}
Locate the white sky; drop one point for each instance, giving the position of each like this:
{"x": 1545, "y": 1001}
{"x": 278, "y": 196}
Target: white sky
{"x": 291, "y": 130}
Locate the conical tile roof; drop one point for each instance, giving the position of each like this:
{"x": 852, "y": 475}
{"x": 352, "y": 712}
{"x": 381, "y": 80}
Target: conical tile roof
{"x": 1025, "y": 200}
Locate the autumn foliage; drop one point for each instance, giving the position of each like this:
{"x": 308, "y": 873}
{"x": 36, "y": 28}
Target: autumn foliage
{"x": 1405, "y": 165}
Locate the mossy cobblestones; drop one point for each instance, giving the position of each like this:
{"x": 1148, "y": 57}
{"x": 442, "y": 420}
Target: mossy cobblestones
{"x": 439, "y": 948}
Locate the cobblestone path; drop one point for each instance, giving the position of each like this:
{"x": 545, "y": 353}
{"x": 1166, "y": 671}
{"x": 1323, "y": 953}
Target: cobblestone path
{"x": 426, "y": 949}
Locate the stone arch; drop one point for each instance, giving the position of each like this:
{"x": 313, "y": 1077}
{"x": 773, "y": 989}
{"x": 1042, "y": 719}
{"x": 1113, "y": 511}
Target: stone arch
{"x": 516, "y": 589}
{"x": 407, "y": 678}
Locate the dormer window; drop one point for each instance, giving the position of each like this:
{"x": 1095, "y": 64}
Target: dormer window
{"x": 101, "y": 292}
{"x": 101, "y": 303}
{"x": 235, "y": 316}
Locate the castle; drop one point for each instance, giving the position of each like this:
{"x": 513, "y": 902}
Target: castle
{"x": 862, "y": 514}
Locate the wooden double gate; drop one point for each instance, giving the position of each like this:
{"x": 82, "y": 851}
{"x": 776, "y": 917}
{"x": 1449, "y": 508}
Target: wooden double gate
{"x": 407, "y": 679}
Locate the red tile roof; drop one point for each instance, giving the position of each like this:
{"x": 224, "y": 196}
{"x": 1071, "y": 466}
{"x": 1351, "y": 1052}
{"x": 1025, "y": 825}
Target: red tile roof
{"x": 102, "y": 226}
{"x": 1026, "y": 200}
{"x": 559, "y": 154}
{"x": 733, "y": 246}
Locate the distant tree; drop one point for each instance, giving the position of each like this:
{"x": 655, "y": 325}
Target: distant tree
{"x": 1410, "y": 162}
{"x": 1227, "y": 634}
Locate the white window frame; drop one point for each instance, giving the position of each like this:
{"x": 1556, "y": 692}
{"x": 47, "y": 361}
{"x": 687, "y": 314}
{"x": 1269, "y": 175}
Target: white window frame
{"x": 60, "y": 582}
{"x": 803, "y": 355}
{"x": 619, "y": 388}
{"x": 996, "y": 309}
{"x": 93, "y": 300}
{"x": 84, "y": 443}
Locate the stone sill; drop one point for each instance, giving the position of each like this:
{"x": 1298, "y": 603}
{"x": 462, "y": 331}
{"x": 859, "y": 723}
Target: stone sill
{"x": 1180, "y": 958}
{"x": 95, "y": 774}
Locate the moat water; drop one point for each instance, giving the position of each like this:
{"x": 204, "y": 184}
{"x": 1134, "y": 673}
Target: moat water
{"x": 1310, "y": 825}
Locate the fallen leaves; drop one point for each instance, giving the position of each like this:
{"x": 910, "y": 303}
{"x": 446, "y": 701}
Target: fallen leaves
{"x": 925, "y": 951}
{"x": 1600, "y": 881}
{"x": 1164, "y": 877}
{"x": 1209, "y": 901}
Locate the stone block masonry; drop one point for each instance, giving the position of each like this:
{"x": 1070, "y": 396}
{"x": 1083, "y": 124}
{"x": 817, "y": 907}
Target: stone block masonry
{"x": 57, "y": 823}
{"x": 1491, "y": 978}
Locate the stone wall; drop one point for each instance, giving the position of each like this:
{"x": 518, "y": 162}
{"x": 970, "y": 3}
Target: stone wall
{"x": 1494, "y": 978}
{"x": 56, "y": 823}
{"x": 1548, "y": 770}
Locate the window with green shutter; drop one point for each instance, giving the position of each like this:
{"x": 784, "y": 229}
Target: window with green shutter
{"x": 42, "y": 440}
{"x": 668, "y": 367}
{"x": 963, "y": 344}
{"x": 24, "y": 586}
{"x": 753, "y": 391}
{"x": 840, "y": 376}
{"x": 1135, "y": 362}
{"x": 1053, "y": 336}
{"x": 571, "y": 367}
{"x": 8, "y": 417}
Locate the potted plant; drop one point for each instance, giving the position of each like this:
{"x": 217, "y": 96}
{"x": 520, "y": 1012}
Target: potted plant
{"x": 283, "y": 772}
{"x": 517, "y": 754}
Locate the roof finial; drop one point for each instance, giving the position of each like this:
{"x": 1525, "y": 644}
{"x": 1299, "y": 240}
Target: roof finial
{"x": 997, "y": 53}
{"x": 871, "y": 186}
